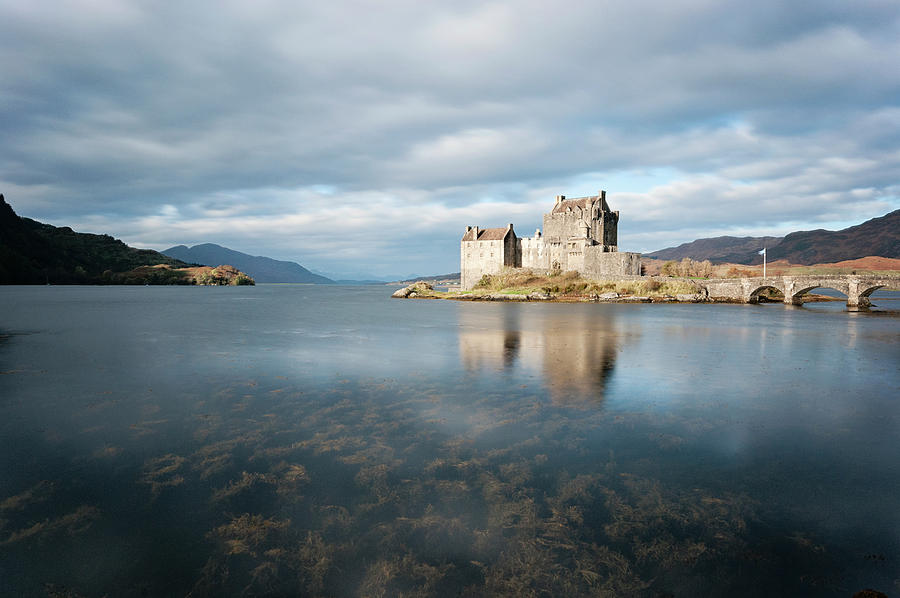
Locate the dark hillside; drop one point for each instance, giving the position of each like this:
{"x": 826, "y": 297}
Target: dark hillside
{"x": 36, "y": 253}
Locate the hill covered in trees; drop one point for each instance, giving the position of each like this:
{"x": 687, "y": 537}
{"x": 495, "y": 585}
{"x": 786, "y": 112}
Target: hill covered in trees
{"x": 35, "y": 253}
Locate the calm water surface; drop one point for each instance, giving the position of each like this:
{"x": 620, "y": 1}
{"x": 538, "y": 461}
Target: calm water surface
{"x": 328, "y": 441}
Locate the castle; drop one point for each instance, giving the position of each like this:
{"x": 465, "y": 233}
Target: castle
{"x": 579, "y": 234}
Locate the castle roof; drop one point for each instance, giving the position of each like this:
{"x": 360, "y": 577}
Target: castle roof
{"x": 576, "y": 202}
{"x": 486, "y": 234}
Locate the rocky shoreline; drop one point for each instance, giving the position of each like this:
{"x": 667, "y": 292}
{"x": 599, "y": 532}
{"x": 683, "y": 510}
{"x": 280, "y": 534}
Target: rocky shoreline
{"x": 424, "y": 290}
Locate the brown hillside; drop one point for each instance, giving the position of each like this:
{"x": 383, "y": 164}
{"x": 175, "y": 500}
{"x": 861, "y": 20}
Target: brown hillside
{"x": 871, "y": 262}
{"x": 875, "y": 237}
{"x": 653, "y": 267}
{"x": 878, "y": 236}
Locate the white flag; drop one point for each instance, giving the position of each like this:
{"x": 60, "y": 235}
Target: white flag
{"x": 762, "y": 251}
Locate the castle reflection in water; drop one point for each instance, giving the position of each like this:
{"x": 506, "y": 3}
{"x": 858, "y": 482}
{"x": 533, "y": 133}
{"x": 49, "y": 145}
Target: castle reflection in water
{"x": 572, "y": 349}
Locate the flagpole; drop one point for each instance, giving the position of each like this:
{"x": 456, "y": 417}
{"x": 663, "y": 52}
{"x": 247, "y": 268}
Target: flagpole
{"x": 764, "y": 262}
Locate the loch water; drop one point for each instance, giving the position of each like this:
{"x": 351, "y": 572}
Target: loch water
{"x": 329, "y": 441}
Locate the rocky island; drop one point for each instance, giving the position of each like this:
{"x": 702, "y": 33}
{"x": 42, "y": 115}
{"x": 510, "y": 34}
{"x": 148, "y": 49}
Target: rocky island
{"x": 517, "y": 284}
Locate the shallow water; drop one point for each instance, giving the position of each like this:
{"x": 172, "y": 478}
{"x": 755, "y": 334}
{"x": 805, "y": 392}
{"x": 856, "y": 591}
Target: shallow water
{"x": 286, "y": 439}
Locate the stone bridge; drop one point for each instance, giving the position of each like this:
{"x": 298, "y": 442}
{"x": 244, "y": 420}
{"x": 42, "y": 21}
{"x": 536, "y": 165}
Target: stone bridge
{"x": 747, "y": 290}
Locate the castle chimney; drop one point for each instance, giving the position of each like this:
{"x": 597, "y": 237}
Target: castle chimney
{"x": 559, "y": 198}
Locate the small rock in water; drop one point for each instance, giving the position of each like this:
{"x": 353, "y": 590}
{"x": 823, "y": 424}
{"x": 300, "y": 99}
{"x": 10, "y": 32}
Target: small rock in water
{"x": 413, "y": 290}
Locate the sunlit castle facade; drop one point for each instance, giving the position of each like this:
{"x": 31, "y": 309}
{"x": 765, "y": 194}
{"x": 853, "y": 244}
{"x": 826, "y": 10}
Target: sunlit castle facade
{"x": 580, "y": 234}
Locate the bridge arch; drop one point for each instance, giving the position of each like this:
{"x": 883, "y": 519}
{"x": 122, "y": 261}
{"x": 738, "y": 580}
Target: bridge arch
{"x": 797, "y": 294}
{"x": 753, "y": 296}
{"x": 866, "y": 291}
{"x": 860, "y": 299}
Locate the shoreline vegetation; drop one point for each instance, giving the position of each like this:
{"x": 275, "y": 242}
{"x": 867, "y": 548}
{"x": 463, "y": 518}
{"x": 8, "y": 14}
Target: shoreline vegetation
{"x": 517, "y": 284}
{"x": 153, "y": 275}
{"x": 32, "y": 252}
{"x": 165, "y": 274}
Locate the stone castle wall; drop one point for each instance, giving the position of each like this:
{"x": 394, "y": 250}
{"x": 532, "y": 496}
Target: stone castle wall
{"x": 606, "y": 230}
{"x": 610, "y": 263}
{"x": 563, "y": 233}
{"x": 490, "y": 256}
{"x": 479, "y": 258}
{"x": 533, "y": 253}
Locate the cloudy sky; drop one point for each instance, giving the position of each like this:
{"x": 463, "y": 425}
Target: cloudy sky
{"x": 361, "y": 137}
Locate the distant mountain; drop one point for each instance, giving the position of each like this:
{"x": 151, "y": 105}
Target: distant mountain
{"x": 875, "y": 237}
{"x": 351, "y": 278}
{"x": 737, "y": 250}
{"x": 262, "y": 269}
{"x": 35, "y": 253}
